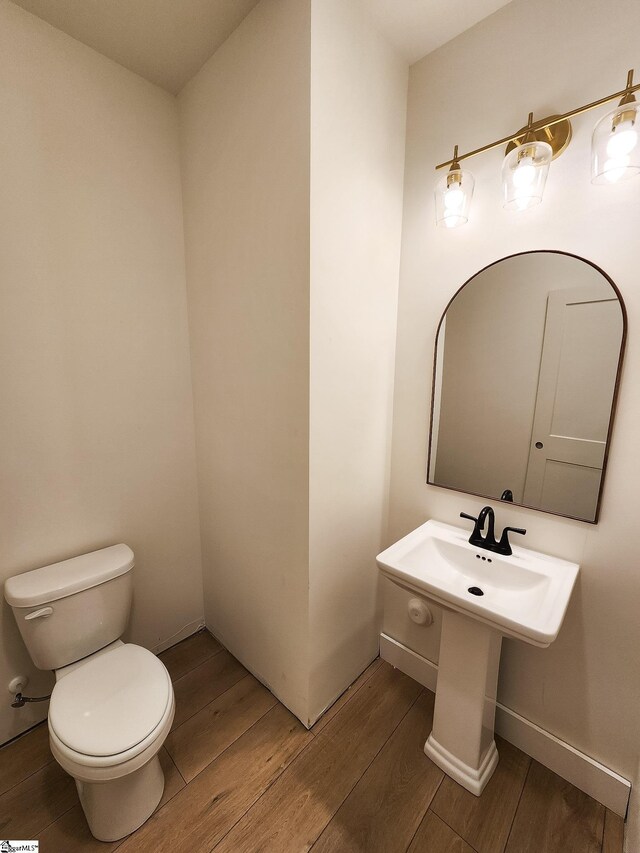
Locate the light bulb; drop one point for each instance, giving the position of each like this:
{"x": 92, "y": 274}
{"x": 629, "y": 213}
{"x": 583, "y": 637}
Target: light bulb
{"x": 615, "y": 147}
{"x": 623, "y": 140}
{"x": 524, "y": 174}
{"x": 523, "y": 202}
{"x": 615, "y": 168}
{"x": 454, "y": 198}
{"x": 453, "y": 194}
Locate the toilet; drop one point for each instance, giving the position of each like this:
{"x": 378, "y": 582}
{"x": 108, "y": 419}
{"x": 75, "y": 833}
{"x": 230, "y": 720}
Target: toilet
{"x": 113, "y": 704}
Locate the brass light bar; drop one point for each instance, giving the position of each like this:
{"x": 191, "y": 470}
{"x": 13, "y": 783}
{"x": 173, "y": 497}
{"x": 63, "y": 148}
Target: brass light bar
{"x": 548, "y": 122}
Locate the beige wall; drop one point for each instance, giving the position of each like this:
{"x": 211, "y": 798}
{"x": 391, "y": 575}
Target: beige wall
{"x": 358, "y": 111}
{"x": 96, "y": 428}
{"x": 99, "y": 428}
{"x": 245, "y": 154}
{"x": 584, "y": 688}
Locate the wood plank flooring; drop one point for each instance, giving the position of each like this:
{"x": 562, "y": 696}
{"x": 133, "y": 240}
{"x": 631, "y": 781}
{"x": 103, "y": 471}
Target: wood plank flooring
{"x": 243, "y": 775}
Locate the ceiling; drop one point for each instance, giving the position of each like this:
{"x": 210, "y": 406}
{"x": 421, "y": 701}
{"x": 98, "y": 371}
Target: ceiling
{"x": 168, "y": 41}
{"x": 417, "y": 27}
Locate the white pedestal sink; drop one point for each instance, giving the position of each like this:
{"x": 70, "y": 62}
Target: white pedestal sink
{"x": 484, "y": 597}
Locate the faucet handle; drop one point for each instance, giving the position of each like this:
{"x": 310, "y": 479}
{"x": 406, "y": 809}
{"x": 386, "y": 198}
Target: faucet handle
{"x": 505, "y": 545}
{"x": 478, "y": 525}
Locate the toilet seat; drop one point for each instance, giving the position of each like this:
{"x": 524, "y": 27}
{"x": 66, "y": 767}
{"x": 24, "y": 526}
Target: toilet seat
{"x": 111, "y": 715}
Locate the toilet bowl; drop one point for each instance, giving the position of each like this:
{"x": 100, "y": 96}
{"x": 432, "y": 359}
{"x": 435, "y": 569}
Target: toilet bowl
{"x": 108, "y": 719}
{"x": 113, "y": 704}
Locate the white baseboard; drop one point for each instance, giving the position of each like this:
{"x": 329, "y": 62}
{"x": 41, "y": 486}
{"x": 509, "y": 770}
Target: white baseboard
{"x": 584, "y": 772}
{"x": 182, "y": 634}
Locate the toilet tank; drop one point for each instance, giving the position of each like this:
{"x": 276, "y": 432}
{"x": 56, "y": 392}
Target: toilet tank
{"x": 71, "y": 609}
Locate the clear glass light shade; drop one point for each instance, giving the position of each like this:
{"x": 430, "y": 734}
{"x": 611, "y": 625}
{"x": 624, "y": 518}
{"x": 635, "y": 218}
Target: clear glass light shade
{"x": 524, "y": 175}
{"x": 615, "y": 147}
{"x": 453, "y": 195}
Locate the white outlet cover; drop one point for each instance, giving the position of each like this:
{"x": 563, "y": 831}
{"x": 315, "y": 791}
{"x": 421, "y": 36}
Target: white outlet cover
{"x": 18, "y": 684}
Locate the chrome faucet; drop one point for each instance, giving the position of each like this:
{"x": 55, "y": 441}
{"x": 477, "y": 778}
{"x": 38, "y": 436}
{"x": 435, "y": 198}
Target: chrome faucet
{"x": 488, "y": 541}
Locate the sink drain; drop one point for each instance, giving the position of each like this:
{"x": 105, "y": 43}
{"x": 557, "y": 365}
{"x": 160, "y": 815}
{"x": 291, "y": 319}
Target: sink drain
{"x": 475, "y": 590}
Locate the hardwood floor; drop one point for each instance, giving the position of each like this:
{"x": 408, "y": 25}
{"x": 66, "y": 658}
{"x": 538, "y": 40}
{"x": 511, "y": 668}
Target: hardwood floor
{"x": 243, "y": 775}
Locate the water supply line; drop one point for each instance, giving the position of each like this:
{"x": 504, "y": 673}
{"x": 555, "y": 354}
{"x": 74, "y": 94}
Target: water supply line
{"x": 20, "y": 701}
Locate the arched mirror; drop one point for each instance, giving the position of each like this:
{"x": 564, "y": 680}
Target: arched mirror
{"x": 528, "y": 358}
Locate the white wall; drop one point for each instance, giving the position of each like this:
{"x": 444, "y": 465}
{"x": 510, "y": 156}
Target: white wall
{"x": 293, "y": 152}
{"x": 584, "y": 688}
{"x": 358, "y": 112}
{"x": 97, "y": 426}
{"x": 245, "y": 155}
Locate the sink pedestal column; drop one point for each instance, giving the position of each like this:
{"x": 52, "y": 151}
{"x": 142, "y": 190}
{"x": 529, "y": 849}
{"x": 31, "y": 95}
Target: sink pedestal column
{"x": 461, "y": 742}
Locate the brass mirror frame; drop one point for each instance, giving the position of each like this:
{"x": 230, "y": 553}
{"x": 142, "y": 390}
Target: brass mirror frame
{"x": 614, "y": 401}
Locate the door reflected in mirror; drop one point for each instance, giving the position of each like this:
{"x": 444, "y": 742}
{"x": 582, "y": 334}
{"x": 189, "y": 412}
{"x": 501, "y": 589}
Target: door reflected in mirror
{"x": 528, "y": 357}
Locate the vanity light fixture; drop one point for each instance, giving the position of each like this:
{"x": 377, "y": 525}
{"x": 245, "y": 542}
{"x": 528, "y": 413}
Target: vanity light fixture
{"x": 453, "y": 195}
{"x": 615, "y": 156}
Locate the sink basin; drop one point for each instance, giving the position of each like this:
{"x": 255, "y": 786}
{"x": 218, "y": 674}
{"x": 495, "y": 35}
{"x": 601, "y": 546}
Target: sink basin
{"x": 524, "y": 596}
{"x": 484, "y": 597}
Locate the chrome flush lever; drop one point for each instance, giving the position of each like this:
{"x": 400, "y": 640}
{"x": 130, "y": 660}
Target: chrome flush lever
{"x": 36, "y": 614}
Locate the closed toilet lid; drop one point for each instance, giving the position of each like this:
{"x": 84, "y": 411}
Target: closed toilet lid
{"x": 111, "y": 703}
